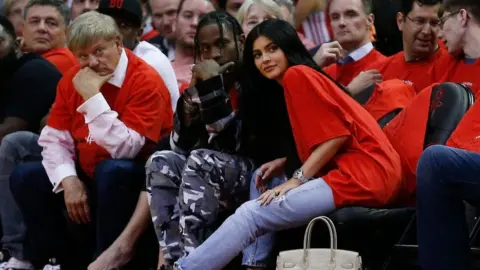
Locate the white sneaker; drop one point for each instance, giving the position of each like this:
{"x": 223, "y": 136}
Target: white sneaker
{"x": 14, "y": 263}
{"x": 51, "y": 267}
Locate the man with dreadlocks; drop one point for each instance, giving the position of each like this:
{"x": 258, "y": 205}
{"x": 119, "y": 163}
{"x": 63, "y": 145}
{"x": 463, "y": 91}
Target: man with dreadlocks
{"x": 203, "y": 174}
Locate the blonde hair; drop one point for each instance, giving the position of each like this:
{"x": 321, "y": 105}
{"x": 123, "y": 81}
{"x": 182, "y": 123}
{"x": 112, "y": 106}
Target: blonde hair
{"x": 91, "y": 27}
{"x": 272, "y": 8}
{"x": 7, "y": 6}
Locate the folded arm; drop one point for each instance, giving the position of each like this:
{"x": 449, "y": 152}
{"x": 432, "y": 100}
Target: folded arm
{"x": 58, "y": 155}
{"x": 108, "y": 131}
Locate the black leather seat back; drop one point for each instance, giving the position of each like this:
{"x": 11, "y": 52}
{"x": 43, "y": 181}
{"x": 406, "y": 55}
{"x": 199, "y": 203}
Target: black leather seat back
{"x": 448, "y": 103}
{"x": 388, "y": 117}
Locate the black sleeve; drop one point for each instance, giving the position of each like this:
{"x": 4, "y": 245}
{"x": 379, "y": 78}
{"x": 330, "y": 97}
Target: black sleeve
{"x": 33, "y": 92}
{"x": 314, "y": 50}
{"x": 214, "y": 100}
{"x": 214, "y": 106}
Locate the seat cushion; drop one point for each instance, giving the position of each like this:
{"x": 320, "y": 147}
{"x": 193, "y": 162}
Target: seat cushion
{"x": 372, "y": 217}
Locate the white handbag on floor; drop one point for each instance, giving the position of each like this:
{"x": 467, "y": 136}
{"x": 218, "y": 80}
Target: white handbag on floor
{"x": 319, "y": 258}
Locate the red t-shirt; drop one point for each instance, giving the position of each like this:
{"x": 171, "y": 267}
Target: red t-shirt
{"x": 344, "y": 74}
{"x": 389, "y": 96}
{"x": 415, "y": 72}
{"x": 406, "y": 132}
{"x": 467, "y": 134}
{"x": 452, "y": 69}
{"x": 142, "y": 103}
{"x": 367, "y": 170}
{"x": 62, "y": 58}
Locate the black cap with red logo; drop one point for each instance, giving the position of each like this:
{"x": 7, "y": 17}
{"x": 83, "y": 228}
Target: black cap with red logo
{"x": 130, "y": 10}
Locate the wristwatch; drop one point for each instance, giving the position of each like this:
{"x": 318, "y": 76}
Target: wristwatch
{"x": 298, "y": 174}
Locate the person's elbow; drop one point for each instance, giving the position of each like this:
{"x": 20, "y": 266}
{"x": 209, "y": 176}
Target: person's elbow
{"x": 12, "y": 124}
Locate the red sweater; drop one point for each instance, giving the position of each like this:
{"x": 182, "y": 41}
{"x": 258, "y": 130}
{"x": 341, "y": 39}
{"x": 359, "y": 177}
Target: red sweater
{"x": 142, "y": 103}
{"x": 344, "y": 74}
{"x": 414, "y": 72}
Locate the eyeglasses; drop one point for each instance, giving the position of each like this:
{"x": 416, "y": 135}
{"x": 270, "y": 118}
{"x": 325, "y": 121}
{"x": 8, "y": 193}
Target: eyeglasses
{"x": 444, "y": 19}
{"x": 419, "y": 21}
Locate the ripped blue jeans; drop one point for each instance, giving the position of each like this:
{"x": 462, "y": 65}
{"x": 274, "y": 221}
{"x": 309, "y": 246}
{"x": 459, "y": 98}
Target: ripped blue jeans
{"x": 257, "y": 254}
{"x": 251, "y": 220}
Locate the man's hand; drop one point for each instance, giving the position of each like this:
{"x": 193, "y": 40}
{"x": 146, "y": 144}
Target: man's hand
{"x": 87, "y": 82}
{"x": 269, "y": 170}
{"x": 328, "y": 53}
{"x": 76, "y": 200}
{"x": 268, "y": 196}
{"x": 208, "y": 69}
{"x": 364, "y": 80}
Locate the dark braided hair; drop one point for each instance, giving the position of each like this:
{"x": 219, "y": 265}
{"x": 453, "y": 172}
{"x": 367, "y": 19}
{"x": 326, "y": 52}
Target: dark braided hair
{"x": 222, "y": 19}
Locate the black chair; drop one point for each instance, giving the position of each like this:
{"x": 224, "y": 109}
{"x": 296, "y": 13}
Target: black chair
{"x": 448, "y": 103}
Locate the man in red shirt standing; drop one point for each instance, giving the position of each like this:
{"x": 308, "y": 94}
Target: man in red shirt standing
{"x": 112, "y": 106}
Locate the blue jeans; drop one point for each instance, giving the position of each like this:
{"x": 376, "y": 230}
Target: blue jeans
{"x": 251, "y": 220}
{"x": 257, "y": 254}
{"x": 445, "y": 178}
{"x": 112, "y": 195}
{"x": 16, "y": 148}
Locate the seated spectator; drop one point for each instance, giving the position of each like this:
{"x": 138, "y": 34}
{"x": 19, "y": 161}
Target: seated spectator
{"x": 288, "y": 10}
{"x": 44, "y": 32}
{"x": 13, "y": 10}
{"x": 343, "y": 157}
{"x": 128, "y": 17}
{"x": 79, "y": 7}
{"x": 353, "y": 50}
{"x": 22, "y": 106}
{"x": 164, "y": 17}
{"x": 204, "y": 173}
{"x": 446, "y": 178}
{"x": 459, "y": 31}
{"x": 23, "y": 146}
{"x": 189, "y": 13}
{"x": 230, "y": 6}
{"x": 466, "y": 134}
{"x": 460, "y": 28}
{"x": 112, "y": 106}
{"x": 419, "y": 23}
{"x": 254, "y": 12}
{"x": 382, "y": 99}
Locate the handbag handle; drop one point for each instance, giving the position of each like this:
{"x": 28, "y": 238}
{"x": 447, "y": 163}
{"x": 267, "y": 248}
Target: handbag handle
{"x": 333, "y": 239}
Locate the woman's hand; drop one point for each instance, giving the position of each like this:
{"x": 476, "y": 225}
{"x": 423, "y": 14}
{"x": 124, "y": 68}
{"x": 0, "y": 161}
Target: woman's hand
{"x": 269, "y": 170}
{"x": 278, "y": 191}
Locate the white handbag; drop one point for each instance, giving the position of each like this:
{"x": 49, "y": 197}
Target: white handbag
{"x": 319, "y": 258}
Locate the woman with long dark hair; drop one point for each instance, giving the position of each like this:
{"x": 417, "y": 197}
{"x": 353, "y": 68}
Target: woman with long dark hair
{"x": 341, "y": 156}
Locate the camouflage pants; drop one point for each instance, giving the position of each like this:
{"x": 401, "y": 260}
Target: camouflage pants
{"x": 187, "y": 193}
